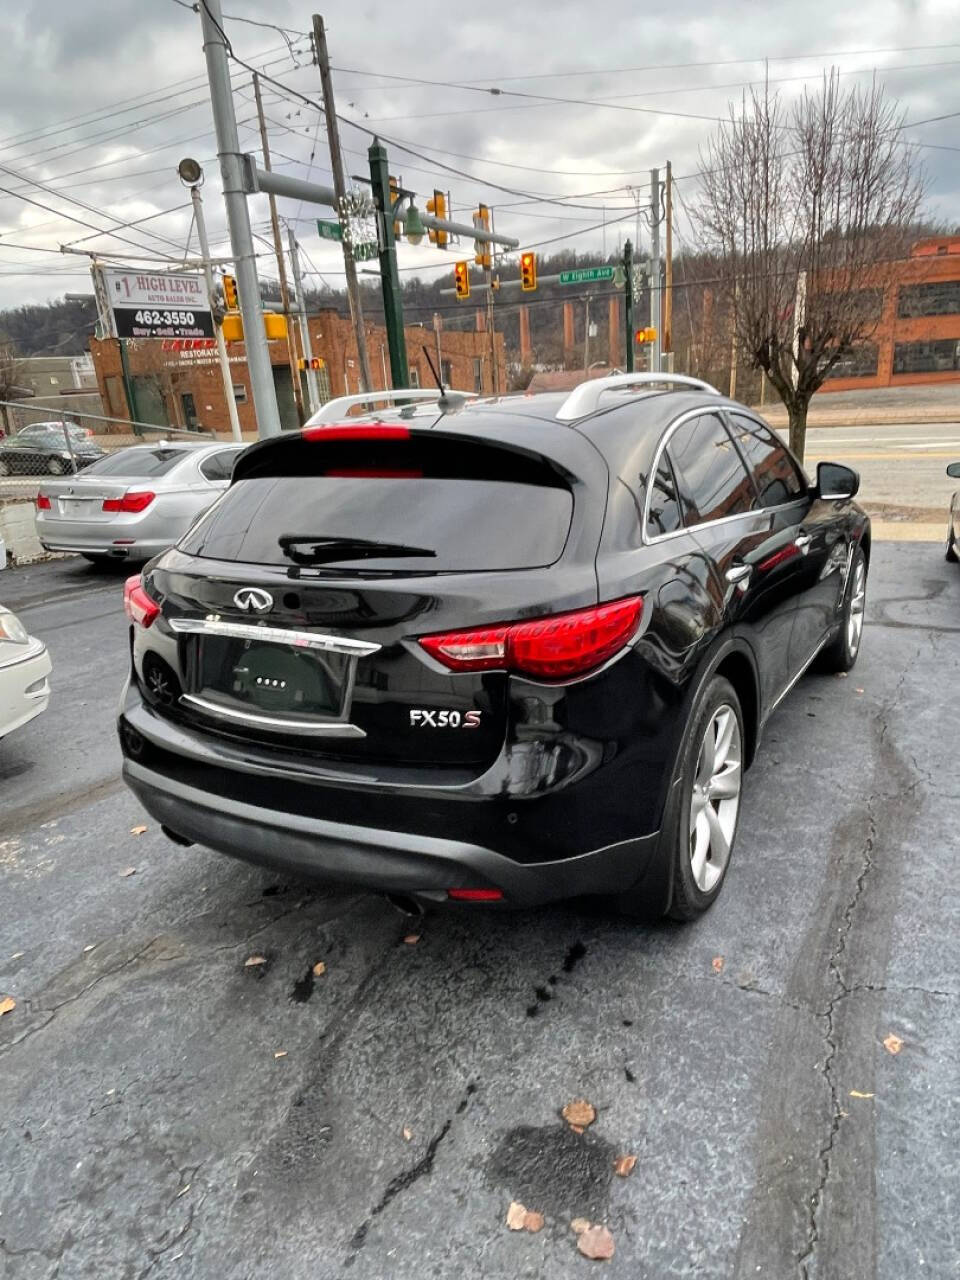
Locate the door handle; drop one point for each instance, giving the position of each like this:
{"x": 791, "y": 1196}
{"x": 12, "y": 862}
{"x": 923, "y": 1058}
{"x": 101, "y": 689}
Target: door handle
{"x": 803, "y": 541}
{"x": 738, "y": 575}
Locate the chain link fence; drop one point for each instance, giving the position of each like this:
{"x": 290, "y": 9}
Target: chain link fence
{"x": 38, "y": 442}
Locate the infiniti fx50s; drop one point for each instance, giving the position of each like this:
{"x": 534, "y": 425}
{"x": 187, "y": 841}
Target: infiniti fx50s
{"x": 497, "y": 651}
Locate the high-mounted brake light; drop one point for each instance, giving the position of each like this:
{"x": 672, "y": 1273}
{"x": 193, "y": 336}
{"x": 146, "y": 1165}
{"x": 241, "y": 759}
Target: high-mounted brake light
{"x": 130, "y": 502}
{"x": 376, "y": 431}
{"x": 475, "y": 895}
{"x": 43, "y": 502}
{"x": 555, "y": 648}
{"x": 137, "y": 605}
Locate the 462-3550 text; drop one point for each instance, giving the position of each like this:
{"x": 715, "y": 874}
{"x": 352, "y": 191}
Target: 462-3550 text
{"x": 164, "y": 317}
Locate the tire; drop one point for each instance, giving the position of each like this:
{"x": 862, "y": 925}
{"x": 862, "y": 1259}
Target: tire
{"x": 57, "y": 467}
{"x": 950, "y": 553}
{"x": 842, "y": 653}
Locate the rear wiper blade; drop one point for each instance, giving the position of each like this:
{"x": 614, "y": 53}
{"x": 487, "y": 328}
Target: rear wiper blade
{"x": 320, "y": 548}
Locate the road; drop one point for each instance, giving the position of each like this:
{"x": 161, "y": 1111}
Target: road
{"x": 149, "y": 1125}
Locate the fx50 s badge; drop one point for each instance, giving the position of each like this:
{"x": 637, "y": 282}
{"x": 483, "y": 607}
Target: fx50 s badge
{"x": 423, "y": 719}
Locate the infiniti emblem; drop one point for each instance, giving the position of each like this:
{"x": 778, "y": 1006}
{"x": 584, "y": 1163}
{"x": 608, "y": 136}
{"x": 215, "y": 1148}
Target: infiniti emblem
{"x": 253, "y": 600}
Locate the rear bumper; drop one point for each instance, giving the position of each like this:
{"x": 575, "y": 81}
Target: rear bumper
{"x": 378, "y": 859}
{"x": 101, "y": 545}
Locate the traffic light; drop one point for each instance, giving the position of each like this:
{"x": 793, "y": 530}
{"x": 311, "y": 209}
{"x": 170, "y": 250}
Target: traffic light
{"x": 315, "y": 362}
{"x": 646, "y": 335}
{"x": 461, "y": 278}
{"x": 438, "y": 207}
{"x": 481, "y": 248}
{"x": 528, "y": 271}
{"x": 394, "y": 197}
{"x": 230, "y": 293}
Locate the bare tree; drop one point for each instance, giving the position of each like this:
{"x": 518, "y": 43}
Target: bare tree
{"x": 11, "y": 367}
{"x": 807, "y": 209}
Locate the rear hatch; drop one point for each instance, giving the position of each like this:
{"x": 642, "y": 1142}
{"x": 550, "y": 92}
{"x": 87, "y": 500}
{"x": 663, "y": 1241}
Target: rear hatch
{"x": 121, "y": 483}
{"x": 294, "y": 608}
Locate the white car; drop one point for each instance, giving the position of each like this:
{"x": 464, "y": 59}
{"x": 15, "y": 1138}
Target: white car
{"x": 24, "y": 670}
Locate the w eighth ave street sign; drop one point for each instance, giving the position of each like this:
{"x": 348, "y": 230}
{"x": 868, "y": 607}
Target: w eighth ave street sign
{"x": 586, "y": 275}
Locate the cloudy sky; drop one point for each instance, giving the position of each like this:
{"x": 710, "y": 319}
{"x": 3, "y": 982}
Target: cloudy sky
{"x": 99, "y": 99}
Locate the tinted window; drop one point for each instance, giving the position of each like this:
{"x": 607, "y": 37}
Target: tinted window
{"x": 219, "y": 466}
{"x": 711, "y": 475}
{"x": 138, "y": 463}
{"x": 435, "y": 523}
{"x": 663, "y": 513}
{"x": 772, "y": 468}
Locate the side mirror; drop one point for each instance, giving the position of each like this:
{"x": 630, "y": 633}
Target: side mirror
{"x": 836, "y": 482}
{"x": 954, "y": 470}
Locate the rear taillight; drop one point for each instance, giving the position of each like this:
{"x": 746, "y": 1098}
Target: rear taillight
{"x": 137, "y": 605}
{"x": 373, "y": 431}
{"x": 475, "y": 895}
{"x": 134, "y": 501}
{"x": 556, "y": 648}
{"x": 43, "y": 502}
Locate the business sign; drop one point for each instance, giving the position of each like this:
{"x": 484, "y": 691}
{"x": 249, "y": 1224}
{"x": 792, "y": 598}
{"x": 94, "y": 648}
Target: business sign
{"x": 586, "y": 275}
{"x": 149, "y": 304}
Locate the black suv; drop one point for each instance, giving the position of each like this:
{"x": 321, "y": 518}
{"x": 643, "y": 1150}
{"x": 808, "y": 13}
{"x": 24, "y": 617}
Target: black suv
{"x": 509, "y": 650}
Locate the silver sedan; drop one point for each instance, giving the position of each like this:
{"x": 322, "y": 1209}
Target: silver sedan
{"x": 134, "y": 503}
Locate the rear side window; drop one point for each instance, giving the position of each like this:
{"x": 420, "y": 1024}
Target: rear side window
{"x": 713, "y": 480}
{"x": 773, "y": 471}
{"x": 139, "y": 464}
{"x": 663, "y": 512}
{"x": 389, "y": 507}
{"x": 219, "y": 466}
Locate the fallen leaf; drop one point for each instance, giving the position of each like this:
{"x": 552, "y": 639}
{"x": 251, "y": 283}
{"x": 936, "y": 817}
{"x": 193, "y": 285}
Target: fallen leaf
{"x": 6, "y": 1004}
{"x": 717, "y": 963}
{"x": 623, "y": 1165}
{"x": 532, "y": 1221}
{"x": 516, "y": 1216}
{"x": 128, "y": 871}
{"x": 280, "y": 1053}
{"x": 893, "y": 1044}
{"x": 578, "y": 1128}
{"x": 91, "y": 947}
{"x": 579, "y": 1112}
{"x": 252, "y": 961}
{"x": 855, "y": 1093}
{"x": 412, "y": 939}
{"x": 407, "y": 1133}
{"x": 859, "y": 691}
{"x": 842, "y": 675}
{"x": 182, "y": 1192}
{"x": 579, "y": 1225}
{"x": 596, "y": 1242}
{"x": 18, "y": 955}
{"x": 319, "y": 969}
{"x": 137, "y": 831}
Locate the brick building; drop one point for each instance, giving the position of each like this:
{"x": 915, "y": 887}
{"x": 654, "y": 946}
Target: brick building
{"x": 179, "y": 383}
{"x": 918, "y": 337}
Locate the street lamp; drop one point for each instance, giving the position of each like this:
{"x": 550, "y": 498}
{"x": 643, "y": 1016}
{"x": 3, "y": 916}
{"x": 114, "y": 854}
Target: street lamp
{"x": 413, "y": 227}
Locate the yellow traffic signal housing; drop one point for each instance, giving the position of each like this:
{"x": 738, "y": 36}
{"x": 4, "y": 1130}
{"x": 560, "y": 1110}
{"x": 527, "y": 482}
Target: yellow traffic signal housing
{"x": 230, "y": 293}
{"x": 233, "y": 327}
{"x": 394, "y": 197}
{"x": 438, "y": 207}
{"x": 646, "y": 335}
{"x": 274, "y": 326}
{"x": 315, "y": 362}
{"x": 461, "y": 278}
{"x": 528, "y": 272}
{"x": 481, "y": 220}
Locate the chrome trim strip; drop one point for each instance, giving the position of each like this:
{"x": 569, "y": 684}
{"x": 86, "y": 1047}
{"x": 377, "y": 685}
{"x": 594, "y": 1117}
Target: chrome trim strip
{"x": 322, "y": 729}
{"x": 274, "y": 635}
{"x": 789, "y": 686}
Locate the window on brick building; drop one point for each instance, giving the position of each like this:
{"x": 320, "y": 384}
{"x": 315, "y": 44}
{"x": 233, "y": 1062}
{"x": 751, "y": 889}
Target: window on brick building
{"x": 446, "y": 372}
{"x": 861, "y": 362}
{"x": 936, "y": 298}
{"x": 240, "y": 393}
{"x": 414, "y": 377}
{"x": 927, "y": 357}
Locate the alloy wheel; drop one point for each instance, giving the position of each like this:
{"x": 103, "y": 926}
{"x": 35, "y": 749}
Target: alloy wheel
{"x": 715, "y": 801}
{"x": 858, "y": 600}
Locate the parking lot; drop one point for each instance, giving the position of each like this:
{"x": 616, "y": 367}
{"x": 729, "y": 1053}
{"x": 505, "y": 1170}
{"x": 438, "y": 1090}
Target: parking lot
{"x": 785, "y": 1070}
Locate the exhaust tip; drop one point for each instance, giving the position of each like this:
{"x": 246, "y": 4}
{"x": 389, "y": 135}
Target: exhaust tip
{"x": 176, "y": 837}
{"x": 406, "y": 905}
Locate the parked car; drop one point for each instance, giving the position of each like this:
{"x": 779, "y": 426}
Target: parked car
{"x": 46, "y": 452}
{"x": 37, "y": 429}
{"x": 517, "y": 650}
{"x": 953, "y": 523}
{"x": 135, "y": 502}
{"x": 24, "y": 671}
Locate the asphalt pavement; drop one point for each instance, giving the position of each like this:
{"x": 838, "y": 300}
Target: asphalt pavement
{"x": 167, "y": 1110}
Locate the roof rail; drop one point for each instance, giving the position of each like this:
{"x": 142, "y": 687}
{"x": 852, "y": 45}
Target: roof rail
{"x": 334, "y": 410}
{"x": 585, "y": 398}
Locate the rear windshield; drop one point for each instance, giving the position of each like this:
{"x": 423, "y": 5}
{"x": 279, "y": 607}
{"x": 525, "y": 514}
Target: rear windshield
{"x": 395, "y": 512}
{"x": 141, "y": 464}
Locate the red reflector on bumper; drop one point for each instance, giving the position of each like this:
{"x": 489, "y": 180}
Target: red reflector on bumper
{"x": 43, "y": 502}
{"x": 475, "y": 895}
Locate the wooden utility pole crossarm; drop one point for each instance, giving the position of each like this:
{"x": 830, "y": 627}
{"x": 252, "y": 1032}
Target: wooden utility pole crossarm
{"x": 340, "y": 187}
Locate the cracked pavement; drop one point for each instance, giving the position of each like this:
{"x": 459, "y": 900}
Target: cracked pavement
{"x": 148, "y": 1129}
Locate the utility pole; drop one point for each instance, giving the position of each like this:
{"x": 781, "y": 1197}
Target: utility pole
{"x": 586, "y": 333}
{"x": 628, "y": 272}
{"x": 668, "y": 294}
{"x": 389, "y": 276}
{"x": 313, "y": 389}
{"x": 494, "y": 370}
{"x": 733, "y": 344}
{"x": 340, "y": 187}
{"x": 278, "y": 250}
{"x": 218, "y": 332}
{"x": 655, "y": 268}
{"x": 238, "y": 219}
